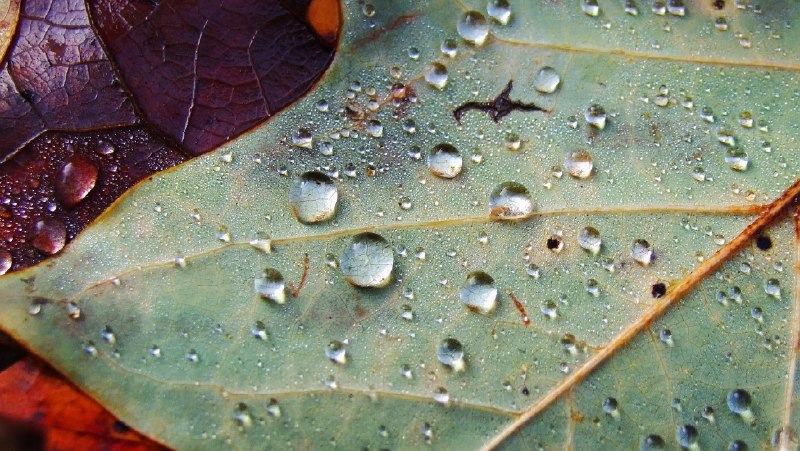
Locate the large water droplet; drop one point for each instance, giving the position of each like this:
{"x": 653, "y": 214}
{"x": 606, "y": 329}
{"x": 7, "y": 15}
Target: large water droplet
{"x": 479, "y": 294}
{"x": 589, "y": 239}
{"x": 687, "y": 436}
{"x": 473, "y": 28}
{"x": 445, "y": 161}
{"x": 303, "y": 138}
{"x": 437, "y": 76}
{"x": 5, "y": 261}
{"x": 336, "y": 352}
{"x": 49, "y": 236}
{"x": 271, "y": 286}
{"x": 595, "y": 115}
{"x": 75, "y": 180}
{"x": 546, "y": 80}
{"x": 313, "y": 198}
{"x": 739, "y": 402}
{"x": 579, "y": 164}
{"x": 368, "y": 261}
{"x": 499, "y": 10}
{"x": 451, "y": 354}
{"x": 642, "y": 252}
{"x": 773, "y": 288}
{"x": 510, "y": 200}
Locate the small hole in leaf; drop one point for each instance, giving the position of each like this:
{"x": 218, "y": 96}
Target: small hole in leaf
{"x": 525, "y": 391}
{"x": 659, "y": 289}
{"x": 764, "y": 243}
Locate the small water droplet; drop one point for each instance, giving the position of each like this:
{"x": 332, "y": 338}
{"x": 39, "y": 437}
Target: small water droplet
{"x": 49, "y": 236}
{"x": 449, "y": 47}
{"x": 473, "y": 28}
{"x": 193, "y": 356}
{"x": 406, "y": 312}
{"x": 271, "y": 286}
{"x": 757, "y": 314}
{"x": 533, "y": 271}
{"x": 590, "y": 8}
{"x": 513, "y": 142}
{"x": 611, "y": 407}
{"x": 739, "y": 402}
{"x": 579, "y": 164}
{"x": 260, "y": 331}
{"x": 445, "y": 161}
{"x": 659, "y": 8}
{"x": 75, "y": 181}
{"x": 441, "y": 396}
{"x": 666, "y": 337}
{"x": 721, "y": 24}
{"x": 593, "y": 288}
{"x": 499, "y": 10}
{"x": 630, "y": 7}
{"x": 738, "y": 445}
{"x": 546, "y": 80}
{"x": 313, "y": 198}
{"x": 773, "y": 288}
{"x": 73, "y": 310}
{"x": 479, "y": 294}
{"x": 405, "y": 203}
{"x": 302, "y": 138}
{"x": 155, "y": 351}
{"x": 677, "y": 8}
{"x": 708, "y": 414}
{"x": 336, "y": 352}
{"x": 405, "y": 371}
{"x": 107, "y": 334}
{"x": 589, "y": 239}
{"x": 707, "y": 114}
{"x": 687, "y": 436}
{"x": 509, "y": 201}
{"x": 595, "y": 115}
{"x": 568, "y": 344}
{"x": 451, "y": 354}
{"x": 737, "y": 160}
{"x": 368, "y": 261}
{"x": 241, "y": 416}
{"x": 549, "y": 309}
{"x": 322, "y": 106}
{"x": 642, "y": 252}
{"x": 653, "y": 442}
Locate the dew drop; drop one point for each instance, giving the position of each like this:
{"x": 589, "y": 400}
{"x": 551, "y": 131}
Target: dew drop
{"x": 746, "y": 119}
{"x": 589, "y": 240}
{"x": 611, "y": 407}
{"x": 406, "y": 312}
{"x": 473, "y": 28}
{"x": 510, "y": 201}
{"x": 708, "y": 414}
{"x": 445, "y": 161}
{"x": 666, "y": 337}
{"x": 721, "y": 24}
{"x": 687, "y": 436}
{"x": 707, "y": 114}
{"x": 368, "y": 261}
{"x": 659, "y": 8}
{"x": 241, "y": 416}
{"x": 302, "y": 138}
{"x": 273, "y": 409}
{"x": 155, "y": 351}
{"x": 451, "y": 354}
{"x": 437, "y": 76}
{"x": 5, "y": 261}
{"x": 595, "y": 115}
{"x": 592, "y": 287}
{"x": 260, "y": 331}
{"x": 49, "y": 236}
{"x": 533, "y": 271}
{"x": 336, "y": 352}
{"x": 75, "y": 181}
{"x": 513, "y": 142}
{"x": 549, "y": 309}
{"x": 441, "y": 396}
{"x": 699, "y": 174}
{"x": 449, "y": 47}
{"x": 107, "y": 334}
{"x": 499, "y": 10}
{"x": 642, "y": 252}
{"x": 737, "y": 160}
{"x": 193, "y": 356}
{"x": 73, "y": 311}
{"x": 630, "y": 7}
{"x": 590, "y": 7}
{"x": 773, "y": 288}
{"x": 568, "y": 344}
{"x": 405, "y": 371}
{"x": 322, "y": 106}
{"x": 652, "y": 442}
{"x": 546, "y": 80}
{"x": 737, "y": 445}
{"x": 271, "y": 286}
{"x": 405, "y": 203}
{"x": 479, "y": 294}
{"x": 739, "y": 401}
{"x": 677, "y": 8}
{"x": 326, "y": 148}
{"x": 313, "y": 198}
{"x": 579, "y": 164}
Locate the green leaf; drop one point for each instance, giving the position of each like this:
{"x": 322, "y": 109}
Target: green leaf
{"x": 210, "y": 351}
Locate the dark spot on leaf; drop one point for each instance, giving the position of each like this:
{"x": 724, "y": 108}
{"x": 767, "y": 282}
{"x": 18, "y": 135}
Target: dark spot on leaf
{"x": 764, "y": 242}
{"x": 525, "y": 391}
{"x": 718, "y": 4}
{"x": 658, "y": 290}
{"x": 553, "y": 243}
{"x": 121, "y": 427}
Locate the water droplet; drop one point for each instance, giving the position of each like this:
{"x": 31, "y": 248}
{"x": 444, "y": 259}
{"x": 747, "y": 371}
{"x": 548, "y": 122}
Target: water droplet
{"x": 513, "y": 142}
{"x": 479, "y": 294}
{"x": 5, "y": 261}
{"x": 75, "y": 181}
{"x": 449, "y": 47}
{"x": 313, "y": 198}
{"x": 773, "y": 288}
{"x": 108, "y": 335}
{"x": 721, "y": 24}
{"x": 611, "y": 407}
{"x": 155, "y": 351}
{"x": 413, "y": 53}
{"x": 509, "y": 201}
{"x": 405, "y": 203}
{"x": 549, "y": 309}
{"x": 687, "y": 436}
{"x": 322, "y": 106}
{"x": 746, "y": 119}
{"x": 708, "y": 414}
{"x": 707, "y": 114}
{"x": 368, "y": 261}
{"x": 590, "y": 8}
{"x": 653, "y": 442}
{"x": 757, "y": 314}
{"x": 726, "y": 137}
{"x": 659, "y": 8}
{"x": 579, "y": 164}
{"x": 302, "y": 138}
{"x": 271, "y": 286}
{"x": 273, "y": 409}
{"x": 49, "y": 236}
{"x": 441, "y": 396}
{"x": 592, "y": 287}
{"x": 260, "y": 331}
{"x": 666, "y": 337}
{"x": 374, "y": 128}
{"x": 336, "y": 352}
{"x": 642, "y": 252}
{"x": 533, "y": 271}
{"x": 699, "y": 174}
{"x": 546, "y": 80}
{"x": 451, "y": 354}
{"x": 473, "y": 28}
{"x": 326, "y": 148}
{"x": 589, "y": 239}
{"x": 483, "y": 237}
{"x": 677, "y": 8}
{"x": 406, "y": 312}
{"x": 499, "y": 10}
{"x": 445, "y": 161}
{"x": 193, "y": 356}
{"x": 568, "y": 344}
{"x": 738, "y": 445}
{"x": 405, "y": 371}
{"x": 737, "y": 160}
{"x": 630, "y": 7}
{"x": 241, "y": 416}
{"x": 595, "y": 115}
{"x": 368, "y": 9}
{"x": 73, "y": 310}
{"x": 739, "y": 401}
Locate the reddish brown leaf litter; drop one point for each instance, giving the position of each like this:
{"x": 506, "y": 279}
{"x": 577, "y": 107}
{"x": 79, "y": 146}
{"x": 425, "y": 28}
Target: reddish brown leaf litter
{"x": 57, "y": 415}
{"x": 61, "y": 181}
{"x": 204, "y": 71}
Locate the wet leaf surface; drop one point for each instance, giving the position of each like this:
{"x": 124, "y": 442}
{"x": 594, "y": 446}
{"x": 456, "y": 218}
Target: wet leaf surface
{"x": 634, "y": 285}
